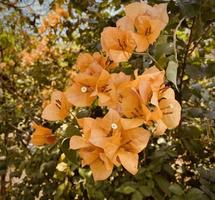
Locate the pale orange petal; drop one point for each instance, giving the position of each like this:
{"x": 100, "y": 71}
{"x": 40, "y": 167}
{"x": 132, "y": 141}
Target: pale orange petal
{"x": 107, "y": 162}
{"x": 78, "y": 98}
{"x": 131, "y": 123}
{"x": 100, "y": 172}
{"x": 138, "y": 137}
{"x": 128, "y": 160}
{"x": 137, "y": 8}
{"x": 58, "y": 108}
{"x": 145, "y": 90}
{"x": 168, "y": 94}
{"x": 161, "y": 128}
{"x": 97, "y": 137}
{"x": 141, "y": 42}
{"x": 42, "y": 135}
{"x": 119, "y": 55}
{"x": 125, "y": 24}
{"x": 86, "y": 124}
{"x": 111, "y": 117}
{"x": 111, "y": 146}
{"x": 54, "y": 113}
{"x": 171, "y": 112}
{"x": 88, "y": 155}
{"x": 161, "y": 13}
{"x": 83, "y": 61}
{"x": 78, "y": 142}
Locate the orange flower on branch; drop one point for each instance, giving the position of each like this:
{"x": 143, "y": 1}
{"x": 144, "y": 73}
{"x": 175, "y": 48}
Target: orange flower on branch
{"x": 148, "y": 85}
{"x": 170, "y": 109}
{"x": 58, "y": 108}
{"x": 117, "y": 44}
{"x": 42, "y": 135}
{"x": 146, "y": 22}
{"x": 92, "y": 64}
{"x": 91, "y": 155}
{"x": 86, "y": 88}
{"x": 119, "y": 140}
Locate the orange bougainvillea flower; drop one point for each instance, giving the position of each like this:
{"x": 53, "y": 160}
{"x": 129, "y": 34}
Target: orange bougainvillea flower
{"x": 116, "y": 87}
{"x": 61, "y": 12}
{"x": 95, "y": 63}
{"x": 118, "y": 140}
{"x": 117, "y": 44}
{"x": 86, "y": 88}
{"x": 91, "y": 155}
{"x": 170, "y": 109}
{"x": 58, "y": 108}
{"x": 148, "y": 85}
{"x": 145, "y": 22}
{"x": 79, "y": 94}
{"x": 42, "y": 135}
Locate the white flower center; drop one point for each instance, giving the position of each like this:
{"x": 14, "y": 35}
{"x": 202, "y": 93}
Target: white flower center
{"x": 114, "y": 126}
{"x": 83, "y": 89}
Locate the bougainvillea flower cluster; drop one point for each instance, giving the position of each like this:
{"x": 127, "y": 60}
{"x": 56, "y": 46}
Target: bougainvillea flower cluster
{"x": 139, "y": 105}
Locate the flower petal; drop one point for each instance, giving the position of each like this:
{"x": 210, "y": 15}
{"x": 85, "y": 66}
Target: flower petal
{"x": 78, "y": 142}
{"x": 125, "y": 24}
{"x": 99, "y": 170}
{"x": 138, "y": 137}
{"x": 161, "y": 128}
{"x": 131, "y": 123}
{"x": 171, "y": 112}
{"x": 78, "y": 98}
{"x": 128, "y": 160}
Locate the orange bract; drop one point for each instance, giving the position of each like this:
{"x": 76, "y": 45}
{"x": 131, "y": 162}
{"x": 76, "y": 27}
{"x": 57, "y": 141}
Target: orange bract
{"x": 86, "y": 88}
{"x": 95, "y": 63}
{"x": 58, "y": 108}
{"x": 147, "y": 22}
{"x": 42, "y": 135}
{"x": 117, "y": 44}
{"x": 171, "y": 111}
{"x": 110, "y": 141}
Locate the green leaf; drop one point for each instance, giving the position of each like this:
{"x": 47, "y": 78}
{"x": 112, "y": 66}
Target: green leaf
{"x": 176, "y": 189}
{"x": 137, "y": 196}
{"x": 171, "y": 72}
{"x": 83, "y": 113}
{"x": 6, "y": 40}
{"x": 195, "y": 194}
{"x": 163, "y": 183}
{"x": 69, "y": 153}
{"x": 162, "y": 47}
{"x": 145, "y": 190}
{"x": 177, "y": 197}
{"x": 72, "y": 130}
{"x": 189, "y": 8}
{"x": 127, "y": 188}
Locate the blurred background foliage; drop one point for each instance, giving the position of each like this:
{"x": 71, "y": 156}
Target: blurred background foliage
{"x": 176, "y": 166}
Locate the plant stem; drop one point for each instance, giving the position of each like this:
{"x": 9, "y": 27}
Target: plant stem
{"x": 174, "y": 39}
{"x": 183, "y": 67}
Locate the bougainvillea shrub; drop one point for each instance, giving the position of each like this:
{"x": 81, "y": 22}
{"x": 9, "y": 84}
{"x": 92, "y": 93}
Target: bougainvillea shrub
{"x": 107, "y": 100}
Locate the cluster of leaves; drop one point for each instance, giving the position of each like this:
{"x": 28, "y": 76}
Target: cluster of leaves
{"x": 180, "y": 165}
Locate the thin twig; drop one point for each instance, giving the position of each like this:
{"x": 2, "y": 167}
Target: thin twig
{"x": 175, "y": 39}
{"x": 200, "y": 39}
{"x": 185, "y": 59}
